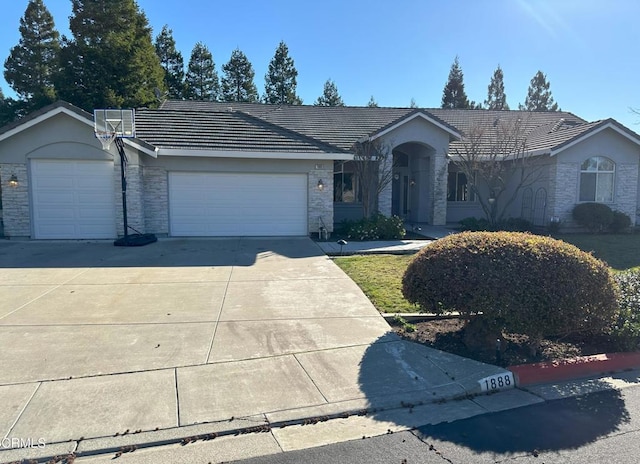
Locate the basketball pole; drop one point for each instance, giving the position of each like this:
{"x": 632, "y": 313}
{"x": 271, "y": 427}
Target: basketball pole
{"x": 123, "y": 182}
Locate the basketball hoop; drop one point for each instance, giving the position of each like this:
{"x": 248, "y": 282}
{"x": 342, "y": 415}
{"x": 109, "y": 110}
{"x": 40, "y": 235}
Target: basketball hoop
{"x": 106, "y": 139}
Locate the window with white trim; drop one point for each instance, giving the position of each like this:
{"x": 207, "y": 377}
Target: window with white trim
{"x": 345, "y": 183}
{"x": 596, "y": 179}
{"x": 458, "y": 188}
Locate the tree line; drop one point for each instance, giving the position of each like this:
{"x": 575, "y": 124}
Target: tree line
{"x": 112, "y": 60}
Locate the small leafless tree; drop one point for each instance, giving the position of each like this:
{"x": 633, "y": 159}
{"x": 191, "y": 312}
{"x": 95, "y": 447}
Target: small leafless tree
{"x": 373, "y": 162}
{"x": 497, "y": 164}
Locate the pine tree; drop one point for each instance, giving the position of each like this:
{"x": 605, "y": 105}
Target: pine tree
{"x": 201, "y": 81}
{"x": 237, "y": 79}
{"x": 30, "y": 67}
{"x": 330, "y": 96}
{"x": 372, "y": 103}
{"x": 172, "y": 62}
{"x": 496, "y": 98}
{"x": 281, "y": 79}
{"x": 539, "y": 96}
{"x": 453, "y": 95}
{"x": 111, "y": 60}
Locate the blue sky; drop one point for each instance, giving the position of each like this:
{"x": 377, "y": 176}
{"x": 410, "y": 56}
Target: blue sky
{"x": 403, "y": 49}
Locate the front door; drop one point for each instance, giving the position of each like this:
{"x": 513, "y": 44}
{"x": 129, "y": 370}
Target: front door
{"x": 400, "y": 193}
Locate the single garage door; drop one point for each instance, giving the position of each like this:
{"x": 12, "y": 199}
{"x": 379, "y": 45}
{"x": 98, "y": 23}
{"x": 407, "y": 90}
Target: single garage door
{"x": 73, "y": 199}
{"x": 233, "y": 204}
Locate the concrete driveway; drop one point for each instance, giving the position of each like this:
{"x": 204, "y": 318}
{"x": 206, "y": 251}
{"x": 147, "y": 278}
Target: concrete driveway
{"x": 100, "y": 341}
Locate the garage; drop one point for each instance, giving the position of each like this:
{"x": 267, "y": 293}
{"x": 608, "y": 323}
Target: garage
{"x": 237, "y": 204}
{"x": 73, "y": 199}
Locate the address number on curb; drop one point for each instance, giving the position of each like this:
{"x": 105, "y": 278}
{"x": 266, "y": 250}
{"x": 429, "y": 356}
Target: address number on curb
{"x": 497, "y": 382}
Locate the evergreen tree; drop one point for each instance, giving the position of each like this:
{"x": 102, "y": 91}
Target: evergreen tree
{"x": 201, "y": 81}
{"x": 453, "y": 95}
{"x": 172, "y": 62}
{"x": 539, "y": 96}
{"x": 30, "y": 67}
{"x": 496, "y": 98}
{"x": 237, "y": 79}
{"x": 372, "y": 103}
{"x": 330, "y": 96}
{"x": 111, "y": 60}
{"x": 281, "y": 79}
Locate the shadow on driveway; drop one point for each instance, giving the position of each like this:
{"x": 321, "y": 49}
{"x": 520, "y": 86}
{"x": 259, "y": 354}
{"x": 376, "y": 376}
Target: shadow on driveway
{"x": 164, "y": 253}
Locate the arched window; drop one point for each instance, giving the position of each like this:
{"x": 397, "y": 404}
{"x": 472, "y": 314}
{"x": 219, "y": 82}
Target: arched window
{"x": 596, "y": 180}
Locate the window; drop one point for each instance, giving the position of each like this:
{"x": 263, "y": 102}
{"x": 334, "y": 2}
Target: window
{"x": 345, "y": 183}
{"x": 596, "y": 180}
{"x": 458, "y": 188}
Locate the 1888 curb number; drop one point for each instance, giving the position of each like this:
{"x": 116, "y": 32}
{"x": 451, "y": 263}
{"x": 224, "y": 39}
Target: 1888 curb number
{"x": 497, "y": 382}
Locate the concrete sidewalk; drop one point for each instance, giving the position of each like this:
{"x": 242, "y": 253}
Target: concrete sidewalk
{"x": 429, "y": 232}
{"x": 108, "y": 348}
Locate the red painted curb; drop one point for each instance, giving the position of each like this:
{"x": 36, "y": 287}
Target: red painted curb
{"x": 582, "y": 366}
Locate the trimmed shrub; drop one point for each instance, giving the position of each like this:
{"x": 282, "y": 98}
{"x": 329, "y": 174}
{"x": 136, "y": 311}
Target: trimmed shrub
{"x": 620, "y": 222}
{"x": 626, "y": 329}
{"x": 596, "y": 217}
{"x": 521, "y": 283}
{"x": 379, "y": 227}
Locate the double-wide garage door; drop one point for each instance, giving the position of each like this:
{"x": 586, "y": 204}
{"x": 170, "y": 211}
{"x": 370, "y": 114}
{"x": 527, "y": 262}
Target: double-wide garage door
{"x": 73, "y": 199}
{"x": 235, "y": 204}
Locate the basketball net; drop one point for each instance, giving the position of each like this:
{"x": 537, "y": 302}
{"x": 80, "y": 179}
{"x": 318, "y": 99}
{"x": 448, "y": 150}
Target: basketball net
{"x": 106, "y": 139}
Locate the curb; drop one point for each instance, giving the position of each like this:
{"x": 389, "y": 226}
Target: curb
{"x": 575, "y": 368}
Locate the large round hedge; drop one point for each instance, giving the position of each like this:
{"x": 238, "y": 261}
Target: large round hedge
{"x": 525, "y": 283}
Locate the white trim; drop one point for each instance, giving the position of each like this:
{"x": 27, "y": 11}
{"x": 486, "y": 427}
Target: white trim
{"x": 608, "y": 125}
{"x": 133, "y": 144}
{"x": 412, "y": 117}
{"x": 253, "y": 154}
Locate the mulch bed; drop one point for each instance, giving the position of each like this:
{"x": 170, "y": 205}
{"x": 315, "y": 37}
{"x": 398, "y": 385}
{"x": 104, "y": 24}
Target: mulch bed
{"x": 448, "y": 335}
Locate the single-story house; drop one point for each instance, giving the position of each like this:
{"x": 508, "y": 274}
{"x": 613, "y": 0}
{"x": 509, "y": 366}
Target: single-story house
{"x": 247, "y": 169}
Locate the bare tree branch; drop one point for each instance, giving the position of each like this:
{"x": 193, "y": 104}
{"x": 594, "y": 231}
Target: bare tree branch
{"x": 373, "y": 162}
{"x": 497, "y": 164}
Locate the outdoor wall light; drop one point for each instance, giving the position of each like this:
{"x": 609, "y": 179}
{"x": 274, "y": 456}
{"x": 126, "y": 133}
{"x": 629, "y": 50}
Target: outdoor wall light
{"x": 412, "y": 182}
{"x": 320, "y": 185}
{"x": 13, "y": 181}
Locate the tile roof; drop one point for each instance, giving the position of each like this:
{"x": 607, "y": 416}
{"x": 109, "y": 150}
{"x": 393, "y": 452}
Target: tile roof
{"x": 340, "y": 127}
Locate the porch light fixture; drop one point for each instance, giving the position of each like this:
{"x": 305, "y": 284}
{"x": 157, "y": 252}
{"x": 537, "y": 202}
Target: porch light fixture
{"x": 412, "y": 182}
{"x": 13, "y": 181}
{"x": 320, "y": 185}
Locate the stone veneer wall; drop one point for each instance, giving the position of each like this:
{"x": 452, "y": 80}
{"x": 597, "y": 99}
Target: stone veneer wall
{"x": 135, "y": 205}
{"x": 16, "y": 210}
{"x": 439, "y": 174}
{"x": 156, "y": 200}
{"x": 565, "y": 191}
{"x": 320, "y": 201}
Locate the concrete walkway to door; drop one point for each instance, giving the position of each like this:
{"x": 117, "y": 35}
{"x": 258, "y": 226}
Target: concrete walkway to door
{"x": 105, "y": 347}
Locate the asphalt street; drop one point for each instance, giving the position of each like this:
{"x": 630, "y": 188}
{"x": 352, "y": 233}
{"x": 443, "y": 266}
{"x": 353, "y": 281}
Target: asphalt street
{"x": 594, "y": 428}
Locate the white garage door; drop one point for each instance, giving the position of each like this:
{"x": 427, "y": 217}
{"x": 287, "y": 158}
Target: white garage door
{"x": 229, "y": 204}
{"x": 73, "y": 199}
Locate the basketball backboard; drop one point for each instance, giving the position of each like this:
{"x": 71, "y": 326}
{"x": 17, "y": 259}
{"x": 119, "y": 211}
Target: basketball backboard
{"x": 115, "y": 121}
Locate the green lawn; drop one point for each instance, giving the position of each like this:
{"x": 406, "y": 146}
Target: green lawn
{"x": 380, "y": 276}
{"x": 620, "y": 251}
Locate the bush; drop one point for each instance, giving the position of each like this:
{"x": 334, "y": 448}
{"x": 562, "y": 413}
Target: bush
{"x": 620, "y": 222}
{"x": 379, "y": 227}
{"x": 521, "y": 283}
{"x": 626, "y": 329}
{"x": 596, "y": 217}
